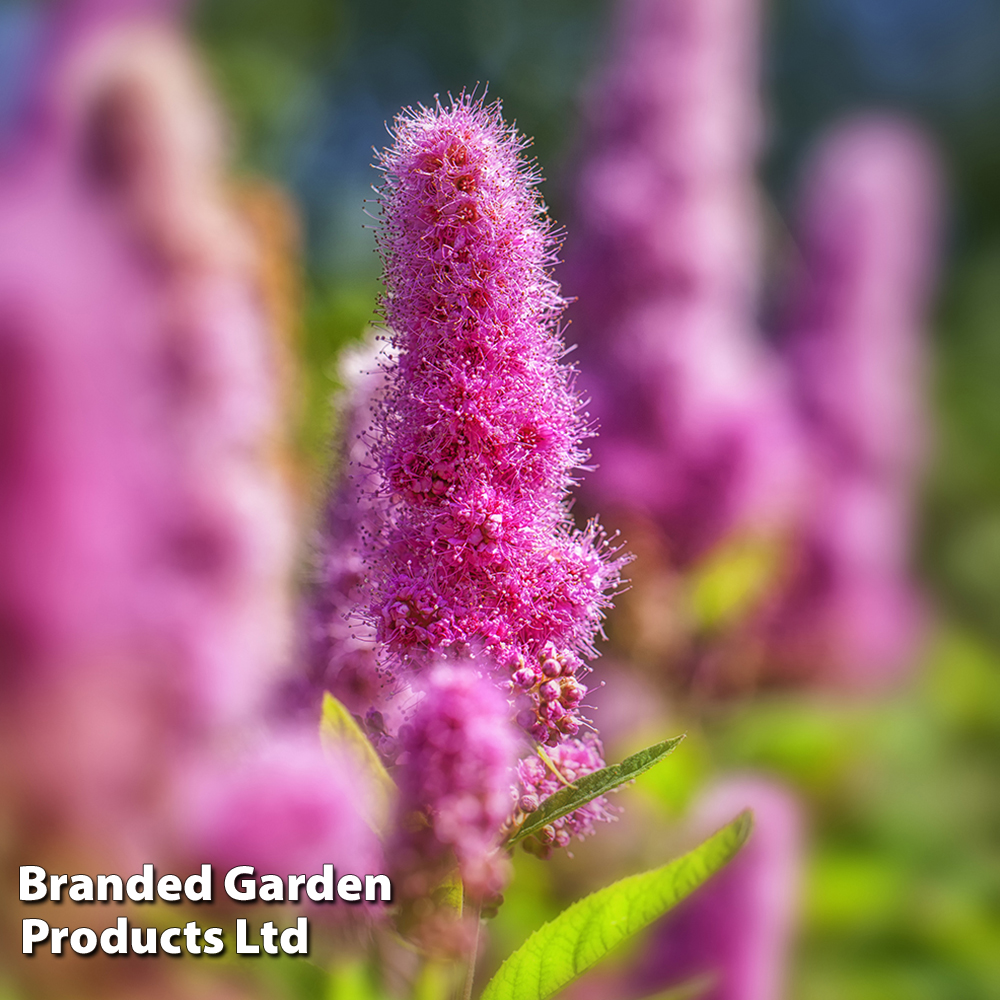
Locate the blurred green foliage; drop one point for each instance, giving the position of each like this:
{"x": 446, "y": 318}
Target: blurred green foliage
{"x": 963, "y": 502}
{"x": 903, "y": 887}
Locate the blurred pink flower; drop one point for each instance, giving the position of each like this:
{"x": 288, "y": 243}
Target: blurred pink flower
{"x": 340, "y": 645}
{"x": 456, "y": 773}
{"x": 856, "y": 345}
{"x": 867, "y": 225}
{"x": 144, "y": 531}
{"x": 283, "y": 806}
{"x": 695, "y": 429}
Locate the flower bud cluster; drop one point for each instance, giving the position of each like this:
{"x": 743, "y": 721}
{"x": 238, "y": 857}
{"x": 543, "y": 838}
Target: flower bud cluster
{"x": 570, "y": 760}
{"x": 554, "y": 694}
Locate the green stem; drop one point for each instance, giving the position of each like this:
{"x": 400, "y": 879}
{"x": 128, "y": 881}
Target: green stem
{"x": 471, "y": 973}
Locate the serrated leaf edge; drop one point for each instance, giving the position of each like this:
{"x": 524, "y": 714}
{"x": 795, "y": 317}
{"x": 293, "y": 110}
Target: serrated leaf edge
{"x": 740, "y": 829}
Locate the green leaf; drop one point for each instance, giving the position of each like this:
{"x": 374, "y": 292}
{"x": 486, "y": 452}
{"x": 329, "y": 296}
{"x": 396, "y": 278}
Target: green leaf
{"x": 563, "y": 949}
{"x": 337, "y": 728}
{"x": 572, "y": 797}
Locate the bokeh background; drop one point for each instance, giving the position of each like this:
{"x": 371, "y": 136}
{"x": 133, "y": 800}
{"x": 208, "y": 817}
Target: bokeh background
{"x": 901, "y": 894}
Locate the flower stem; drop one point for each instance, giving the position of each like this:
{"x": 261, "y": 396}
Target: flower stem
{"x": 471, "y": 973}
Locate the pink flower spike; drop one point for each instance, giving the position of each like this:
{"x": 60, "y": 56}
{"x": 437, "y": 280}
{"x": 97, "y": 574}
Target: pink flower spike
{"x": 478, "y": 433}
